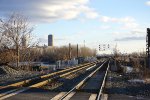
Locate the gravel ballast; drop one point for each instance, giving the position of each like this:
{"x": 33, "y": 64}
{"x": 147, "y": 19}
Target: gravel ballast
{"x": 10, "y": 75}
{"x": 127, "y": 84}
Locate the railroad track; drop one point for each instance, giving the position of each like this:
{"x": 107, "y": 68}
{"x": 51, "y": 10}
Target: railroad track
{"x": 24, "y": 82}
{"x": 80, "y": 90}
{"x": 13, "y": 89}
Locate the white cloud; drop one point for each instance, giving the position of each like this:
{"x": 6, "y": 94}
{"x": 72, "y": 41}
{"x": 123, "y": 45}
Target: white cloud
{"x": 89, "y": 12}
{"x": 139, "y": 32}
{"x": 127, "y": 22}
{"x": 105, "y": 19}
{"x": 105, "y": 27}
{"x": 49, "y": 10}
{"x": 148, "y": 3}
{"x": 117, "y": 33}
{"x": 130, "y": 38}
{"x": 131, "y": 46}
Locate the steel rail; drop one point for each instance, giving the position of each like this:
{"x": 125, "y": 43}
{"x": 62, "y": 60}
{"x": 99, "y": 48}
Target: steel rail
{"x": 103, "y": 83}
{"x": 15, "y": 91}
{"x": 60, "y": 76}
{"x": 42, "y": 77}
{"x": 81, "y": 82}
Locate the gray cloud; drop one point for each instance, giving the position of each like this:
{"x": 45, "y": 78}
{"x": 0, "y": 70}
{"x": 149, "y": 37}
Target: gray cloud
{"x": 130, "y": 38}
{"x": 48, "y": 10}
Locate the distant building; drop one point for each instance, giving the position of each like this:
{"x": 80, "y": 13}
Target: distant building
{"x": 24, "y": 41}
{"x": 50, "y": 40}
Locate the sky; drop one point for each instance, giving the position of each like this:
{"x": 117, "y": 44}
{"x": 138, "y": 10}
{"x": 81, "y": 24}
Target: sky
{"x": 97, "y": 22}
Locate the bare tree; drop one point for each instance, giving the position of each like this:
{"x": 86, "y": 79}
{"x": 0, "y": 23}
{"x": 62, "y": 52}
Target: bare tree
{"x": 17, "y": 32}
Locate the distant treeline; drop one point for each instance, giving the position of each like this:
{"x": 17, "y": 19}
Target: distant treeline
{"x": 45, "y": 54}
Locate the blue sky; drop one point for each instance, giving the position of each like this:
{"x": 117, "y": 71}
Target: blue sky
{"x": 121, "y": 22}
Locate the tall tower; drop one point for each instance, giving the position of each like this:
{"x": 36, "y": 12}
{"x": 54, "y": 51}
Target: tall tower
{"x": 148, "y": 47}
{"x": 24, "y": 41}
{"x": 50, "y": 40}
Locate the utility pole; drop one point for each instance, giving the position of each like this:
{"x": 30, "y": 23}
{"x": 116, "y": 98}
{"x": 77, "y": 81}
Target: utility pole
{"x": 148, "y": 48}
{"x": 17, "y": 44}
{"x": 69, "y": 51}
{"x": 84, "y": 43}
{"x": 77, "y": 51}
{"x": 84, "y": 50}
